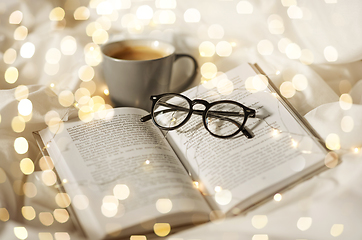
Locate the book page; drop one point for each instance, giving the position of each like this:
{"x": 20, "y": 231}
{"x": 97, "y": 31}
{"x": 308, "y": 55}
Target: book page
{"x": 124, "y": 170}
{"x": 236, "y": 172}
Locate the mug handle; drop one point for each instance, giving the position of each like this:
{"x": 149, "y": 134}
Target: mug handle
{"x": 188, "y": 82}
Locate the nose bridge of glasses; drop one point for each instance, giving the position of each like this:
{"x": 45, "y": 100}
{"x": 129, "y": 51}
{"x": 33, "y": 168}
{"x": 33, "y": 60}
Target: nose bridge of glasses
{"x": 199, "y": 101}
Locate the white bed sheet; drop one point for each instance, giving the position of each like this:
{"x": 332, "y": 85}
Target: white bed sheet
{"x": 330, "y": 203}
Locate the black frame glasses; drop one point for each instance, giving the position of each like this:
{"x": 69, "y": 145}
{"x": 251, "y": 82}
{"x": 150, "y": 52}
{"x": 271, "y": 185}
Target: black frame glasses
{"x": 157, "y": 100}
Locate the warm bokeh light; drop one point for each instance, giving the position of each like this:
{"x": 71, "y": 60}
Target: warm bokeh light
{"x": 347, "y": 124}
{"x": 45, "y": 236}
{"x": 57, "y": 14}
{"x": 86, "y": 73}
{"x": 144, "y": 12}
{"x": 121, "y": 191}
{"x": 110, "y": 206}
{"x": 164, "y": 205}
{"x": 27, "y": 166}
{"x": 81, "y": 13}
{"x": 104, "y": 8}
{"x": 90, "y": 86}
{"x": 244, "y": 7}
{"x": 21, "y": 232}
{"x": 30, "y": 189}
{"x": 25, "y": 107}
{"x": 304, "y": 223}
{"x": 21, "y": 92}
{"x": 192, "y": 15}
{"x": 307, "y": 57}
{"x": 225, "y": 86}
{"x": 28, "y": 212}
{"x": 333, "y": 141}
{"x": 110, "y": 202}
{"x": 92, "y": 27}
{"x": 278, "y": 197}
{"x": 283, "y": 44}
{"x": 18, "y": 124}
{"x": 62, "y": 200}
{"x": 215, "y": 31}
{"x": 66, "y": 98}
{"x": 53, "y": 56}
{"x": 260, "y": 82}
{"x": 62, "y": 236}
{"x": 68, "y": 45}
{"x": 21, "y": 145}
{"x": 27, "y": 50}
{"x": 16, "y": 17}
{"x": 81, "y": 93}
{"x": 11, "y": 75}
{"x": 208, "y": 70}
{"x": 259, "y": 221}
{"x": 46, "y": 218}
{"x": 162, "y": 229}
{"x": 275, "y": 24}
{"x": 46, "y": 163}
{"x": 9, "y": 56}
{"x": 4, "y": 215}
{"x": 207, "y": 49}
{"x": 49, "y": 115}
{"x": 223, "y": 197}
{"x": 295, "y": 12}
{"x": 164, "y": 17}
{"x": 337, "y": 229}
{"x": 300, "y": 82}
{"x": 100, "y": 36}
{"x": 224, "y": 49}
{"x": 287, "y": 89}
{"x": 49, "y": 177}
{"x": 288, "y": 3}
{"x": 345, "y": 101}
{"x": 138, "y": 237}
{"x": 61, "y": 215}
{"x": 293, "y": 51}
{"x": 330, "y": 54}
{"x": 81, "y": 202}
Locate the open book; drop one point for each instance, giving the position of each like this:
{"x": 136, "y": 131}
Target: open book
{"x": 126, "y": 178}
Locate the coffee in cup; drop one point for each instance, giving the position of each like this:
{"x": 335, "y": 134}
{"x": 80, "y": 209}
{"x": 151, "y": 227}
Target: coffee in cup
{"x": 138, "y": 53}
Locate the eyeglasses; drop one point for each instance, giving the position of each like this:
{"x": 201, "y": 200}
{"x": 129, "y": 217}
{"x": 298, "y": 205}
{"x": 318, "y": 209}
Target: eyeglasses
{"x": 222, "y": 119}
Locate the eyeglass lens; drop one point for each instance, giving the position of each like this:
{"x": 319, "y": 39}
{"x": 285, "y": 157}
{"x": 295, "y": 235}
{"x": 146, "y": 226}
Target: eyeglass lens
{"x": 224, "y": 119}
{"x": 170, "y": 111}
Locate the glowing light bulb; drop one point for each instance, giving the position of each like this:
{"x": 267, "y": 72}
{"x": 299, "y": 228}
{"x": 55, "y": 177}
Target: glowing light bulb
{"x": 275, "y": 132}
{"x": 218, "y": 189}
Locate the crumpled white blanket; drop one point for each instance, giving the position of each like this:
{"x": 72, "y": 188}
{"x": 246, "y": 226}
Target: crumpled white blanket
{"x": 329, "y": 204}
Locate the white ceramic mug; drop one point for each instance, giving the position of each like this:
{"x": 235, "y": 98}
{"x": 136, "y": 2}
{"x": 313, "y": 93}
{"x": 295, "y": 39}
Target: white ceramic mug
{"x": 135, "y": 69}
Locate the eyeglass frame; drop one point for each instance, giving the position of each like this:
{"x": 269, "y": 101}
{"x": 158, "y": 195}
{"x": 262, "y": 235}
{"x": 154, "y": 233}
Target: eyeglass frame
{"x": 248, "y": 112}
